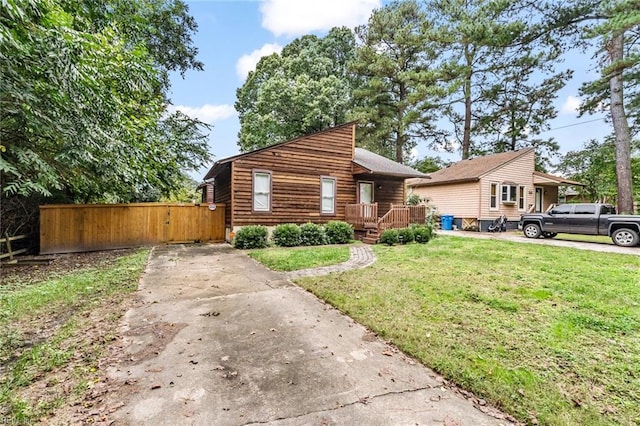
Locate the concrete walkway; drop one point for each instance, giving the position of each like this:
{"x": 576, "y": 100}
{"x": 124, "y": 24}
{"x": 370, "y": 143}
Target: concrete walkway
{"x": 218, "y": 339}
{"x": 360, "y": 256}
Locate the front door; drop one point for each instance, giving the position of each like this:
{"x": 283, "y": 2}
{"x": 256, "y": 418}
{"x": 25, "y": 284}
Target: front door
{"x": 365, "y": 192}
{"x": 538, "y": 200}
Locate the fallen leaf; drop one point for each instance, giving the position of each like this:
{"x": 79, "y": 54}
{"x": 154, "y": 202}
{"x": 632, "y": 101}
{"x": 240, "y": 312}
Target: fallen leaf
{"x": 450, "y": 421}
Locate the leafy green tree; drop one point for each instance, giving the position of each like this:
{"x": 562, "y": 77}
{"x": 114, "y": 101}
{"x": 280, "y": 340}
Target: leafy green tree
{"x": 429, "y": 164}
{"x": 595, "y": 166}
{"x": 502, "y": 61}
{"x": 615, "y": 30}
{"x": 84, "y": 105}
{"x": 401, "y": 87}
{"x": 306, "y": 88}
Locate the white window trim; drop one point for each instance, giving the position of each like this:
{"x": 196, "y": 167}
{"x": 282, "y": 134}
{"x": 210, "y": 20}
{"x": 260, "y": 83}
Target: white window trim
{"x": 322, "y": 195}
{"x": 495, "y": 185}
{"x": 508, "y": 193}
{"x": 522, "y": 190}
{"x": 253, "y": 191}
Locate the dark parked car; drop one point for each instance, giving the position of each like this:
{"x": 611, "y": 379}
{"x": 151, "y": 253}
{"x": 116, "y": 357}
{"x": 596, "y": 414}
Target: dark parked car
{"x": 588, "y": 219}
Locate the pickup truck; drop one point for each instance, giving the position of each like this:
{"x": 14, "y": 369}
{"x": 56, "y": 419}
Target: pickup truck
{"x": 588, "y": 219}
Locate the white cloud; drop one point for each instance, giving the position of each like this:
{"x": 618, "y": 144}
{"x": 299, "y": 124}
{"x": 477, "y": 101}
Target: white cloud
{"x": 206, "y": 113}
{"x": 570, "y": 106}
{"x": 298, "y": 17}
{"x": 248, "y": 62}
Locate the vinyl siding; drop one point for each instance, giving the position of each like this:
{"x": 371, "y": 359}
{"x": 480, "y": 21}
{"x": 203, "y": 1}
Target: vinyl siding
{"x": 460, "y": 200}
{"x": 518, "y": 171}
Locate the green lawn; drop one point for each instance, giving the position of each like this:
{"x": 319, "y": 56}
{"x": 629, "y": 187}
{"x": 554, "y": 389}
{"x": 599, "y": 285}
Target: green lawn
{"x": 54, "y": 332}
{"x": 292, "y": 259}
{"x": 602, "y": 239}
{"x": 548, "y": 334}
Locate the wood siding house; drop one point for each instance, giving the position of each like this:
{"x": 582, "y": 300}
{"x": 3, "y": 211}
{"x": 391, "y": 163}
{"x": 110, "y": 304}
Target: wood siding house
{"x": 314, "y": 178}
{"x": 479, "y": 190}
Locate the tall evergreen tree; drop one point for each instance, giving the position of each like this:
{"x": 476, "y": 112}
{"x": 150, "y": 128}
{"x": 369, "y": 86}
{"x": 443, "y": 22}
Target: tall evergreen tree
{"x": 615, "y": 26}
{"x": 504, "y": 71}
{"x": 401, "y": 88}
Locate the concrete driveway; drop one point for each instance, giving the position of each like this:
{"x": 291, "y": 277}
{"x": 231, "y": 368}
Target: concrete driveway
{"x": 519, "y": 238}
{"x": 219, "y": 339}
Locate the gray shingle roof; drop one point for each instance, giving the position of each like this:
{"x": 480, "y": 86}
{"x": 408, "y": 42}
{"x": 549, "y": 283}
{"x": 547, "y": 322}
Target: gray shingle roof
{"x": 377, "y": 164}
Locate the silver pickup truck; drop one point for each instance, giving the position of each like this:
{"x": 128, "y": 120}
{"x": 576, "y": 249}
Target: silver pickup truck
{"x": 588, "y": 219}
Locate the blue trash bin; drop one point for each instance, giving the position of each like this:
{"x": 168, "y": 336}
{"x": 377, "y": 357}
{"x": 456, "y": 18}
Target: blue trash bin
{"x": 446, "y": 222}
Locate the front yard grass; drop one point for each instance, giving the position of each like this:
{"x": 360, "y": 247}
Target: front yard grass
{"x": 550, "y": 335}
{"x": 293, "y": 259}
{"x": 602, "y": 239}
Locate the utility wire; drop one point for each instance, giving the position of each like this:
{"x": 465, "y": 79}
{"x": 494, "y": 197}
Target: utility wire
{"x": 574, "y": 124}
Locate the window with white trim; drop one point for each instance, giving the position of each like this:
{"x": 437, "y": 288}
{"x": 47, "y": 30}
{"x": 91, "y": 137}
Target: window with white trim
{"x": 261, "y": 191}
{"x": 509, "y": 194}
{"x": 521, "y": 197}
{"x": 327, "y": 195}
{"x": 493, "y": 196}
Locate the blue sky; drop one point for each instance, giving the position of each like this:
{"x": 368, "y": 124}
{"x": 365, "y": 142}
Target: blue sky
{"x": 234, "y": 34}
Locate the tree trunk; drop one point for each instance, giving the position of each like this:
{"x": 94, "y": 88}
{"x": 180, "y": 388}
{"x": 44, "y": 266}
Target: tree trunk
{"x": 466, "y": 136}
{"x": 615, "y": 48}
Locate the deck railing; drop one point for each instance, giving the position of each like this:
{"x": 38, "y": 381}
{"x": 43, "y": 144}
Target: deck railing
{"x": 397, "y": 217}
{"x": 365, "y": 216}
{"x": 361, "y": 215}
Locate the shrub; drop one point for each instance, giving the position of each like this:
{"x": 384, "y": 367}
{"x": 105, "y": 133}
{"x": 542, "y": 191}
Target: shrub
{"x": 389, "y": 236}
{"x": 251, "y": 237}
{"x": 286, "y": 235}
{"x": 422, "y": 233}
{"x": 405, "y": 235}
{"x": 339, "y": 232}
{"x": 312, "y": 234}
{"x": 413, "y": 200}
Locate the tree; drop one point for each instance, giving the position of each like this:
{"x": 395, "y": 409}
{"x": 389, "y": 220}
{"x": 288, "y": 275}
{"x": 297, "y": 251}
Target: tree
{"x": 397, "y": 101}
{"x": 429, "y": 164}
{"x": 595, "y": 166}
{"x": 305, "y": 89}
{"x": 503, "y": 66}
{"x": 616, "y": 30}
{"x": 84, "y": 106}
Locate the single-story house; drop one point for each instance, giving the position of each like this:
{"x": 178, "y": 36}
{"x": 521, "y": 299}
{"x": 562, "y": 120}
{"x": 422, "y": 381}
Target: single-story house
{"x": 479, "y": 190}
{"x": 314, "y": 178}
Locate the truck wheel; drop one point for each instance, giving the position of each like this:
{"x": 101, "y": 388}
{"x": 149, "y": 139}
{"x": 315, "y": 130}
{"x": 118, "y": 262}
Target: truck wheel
{"x": 549, "y": 234}
{"x": 531, "y": 230}
{"x": 625, "y": 237}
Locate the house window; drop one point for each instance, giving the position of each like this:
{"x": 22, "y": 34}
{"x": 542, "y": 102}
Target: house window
{"x": 521, "y": 199}
{"x": 261, "y": 191}
{"x": 509, "y": 193}
{"x": 327, "y": 195}
{"x": 493, "y": 198}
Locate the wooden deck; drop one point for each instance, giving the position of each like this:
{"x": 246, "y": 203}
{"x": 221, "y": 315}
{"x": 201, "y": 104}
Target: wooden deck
{"x": 364, "y": 217}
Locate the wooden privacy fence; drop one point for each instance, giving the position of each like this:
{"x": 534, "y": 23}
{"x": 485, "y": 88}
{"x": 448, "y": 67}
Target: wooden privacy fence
{"x": 87, "y": 227}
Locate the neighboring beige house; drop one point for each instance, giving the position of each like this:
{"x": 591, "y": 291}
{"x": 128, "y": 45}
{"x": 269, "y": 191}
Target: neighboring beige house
{"x": 479, "y": 190}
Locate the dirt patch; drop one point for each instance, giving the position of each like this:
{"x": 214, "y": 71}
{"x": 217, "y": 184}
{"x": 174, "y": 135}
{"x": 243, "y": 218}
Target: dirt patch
{"x": 81, "y": 382}
{"x": 52, "y": 266}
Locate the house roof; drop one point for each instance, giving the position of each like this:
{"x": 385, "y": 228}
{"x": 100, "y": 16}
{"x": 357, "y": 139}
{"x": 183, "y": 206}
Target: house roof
{"x": 379, "y": 165}
{"x": 540, "y": 178}
{"x": 469, "y": 170}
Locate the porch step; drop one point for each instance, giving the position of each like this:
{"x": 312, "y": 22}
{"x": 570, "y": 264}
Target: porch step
{"x": 372, "y": 237}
